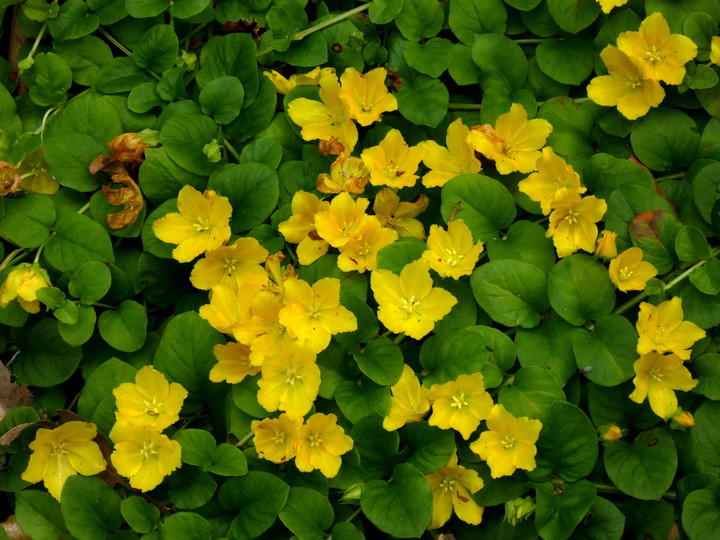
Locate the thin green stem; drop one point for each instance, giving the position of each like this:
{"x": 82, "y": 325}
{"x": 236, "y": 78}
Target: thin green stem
{"x": 602, "y": 487}
{"x": 84, "y": 208}
{"x": 245, "y": 439}
{"x": 39, "y": 37}
{"x": 670, "y": 176}
{"x": 398, "y": 339}
{"x": 322, "y": 25}
{"x": 231, "y": 148}
{"x": 12, "y": 257}
{"x": 115, "y": 42}
{"x": 464, "y": 106}
{"x": 528, "y": 41}
{"x": 354, "y": 514}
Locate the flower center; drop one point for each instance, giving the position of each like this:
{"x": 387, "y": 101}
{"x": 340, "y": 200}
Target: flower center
{"x": 202, "y": 224}
{"x": 278, "y": 437}
{"x": 448, "y": 484}
{"x": 572, "y": 217}
{"x": 152, "y": 408}
{"x": 508, "y": 442}
{"x": 315, "y": 440}
{"x": 459, "y": 401}
{"x": 453, "y": 257}
{"x": 148, "y": 449}
{"x": 58, "y": 449}
{"x": 410, "y": 304}
{"x": 229, "y": 265}
{"x": 292, "y": 376}
{"x": 656, "y": 374}
{"x": 626, "y": 273}
{"x": 653, "y": 56}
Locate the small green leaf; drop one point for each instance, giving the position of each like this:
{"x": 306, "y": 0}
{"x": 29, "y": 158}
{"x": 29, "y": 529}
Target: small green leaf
{"x": 198, "y": 446}
{"x": 567, "y": 60}
{"x": 85, "y": 57}
{"x": 707, "y": 278}
{"x": 184, "y": 9}
{"x": 191, "y": 488}
{"x": 419, "y": 19}
{"x": 665, "y": 140}
{"x": 423, "y": 100}
{"x": 307, "y": 513}
{"x": 81, "y": 331}
{"x": 90, "y": 282}
{"x": 606, "y": 355}
{"x": 184, "y": 136}
{"x": 691, "y": 245}
{"x": 228, "y": 460}
{"x": 27, "y": 221}
{"x": 500, "y": 59}
{"x": 358, "y": 399}
{"x": 701, "y": 515}
{"x": 222, "y": 98}
{"x": 467, "y": 18}
{"x": 50, "y": 79}
{"x": 73, "y": 21}
{"x": 139, "y": 514}
{"x": 560, "y": 511}
{"x": 185, "y": 525}
{"x": 381, "y": 361}
{"x": 39, "y": 515}
{"x": 430, "y": 447}
{"x": 432, "y": 58}
{"x": 124, "y": 328}
{"x": 604, "y": 521}
{"x": 525, "y": 241}
{"x": 118, "y": 76}
{"x": 157, "y": 49}
{"x": 98, "y": 391}
{"x": 548, "y": 346}
{"x": 396, "y": 256}
{"x": 90, "y": 507}
{"x": 377, "y": 447}
{"x": 573, "y": 15}
{"x": 384, "y": 11}
{"x": 706, "y": 369}
{"x": 531, "y": 394}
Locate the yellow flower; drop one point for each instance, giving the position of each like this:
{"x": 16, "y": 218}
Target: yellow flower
{"x": 320, "y": 444}
{"x": 452, "y": 253}
{"x": 409, "y": 401}
{"x": 347, "y": 173}
{"x": 446, "y": 163}
{"x": 572, "y": 223}
{"x": 514, "y": 144}
{"x": 607, "y": 5}
{"x": 662, "y": 329}
{"x": 409, "y": 303}
{"x": 452, "y": 486}
{"x": 233, "y": 363}
{"x": 509, "y": 443}
{"x": 63, "y": 452}
{"x": 236, "y": 266}
{"x": 400, "y": 216}
{"x": 327, "y": 119}
{"x": 276, "y": 438}
{"x": 392, "y": 162}
{"x": 629, "y": 272}
{"x": 150, "y": 400}
{"x": 283, "y": 85}
{"x": 682, "y": 419}
{"x": 553, "y": 180}
{"x": 625, "y": 86}
{"x": 366, "y": 95}
{"x": 22, "y": 284}
{"x": 227, "y": 311}
{"x": 605, "y": 246}
{"x": 611, "y": 433}
{"x": 715, "y": 50}
{"x": 289, "y": 383}
{"x": 342, "y": 220}
{"x": 203, "y": 223}
{"x": 313, "y": 313}
{"x": 660, "y": 55}
{"x": 360, "y": 253}
{"x": 143, "y": 455}
{"x": 656, "y": 377}
{"x": 300, "y": 227}
{"x": 460, "y": 404}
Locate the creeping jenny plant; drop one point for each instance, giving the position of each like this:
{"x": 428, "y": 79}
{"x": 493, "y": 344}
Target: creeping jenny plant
{"x": 403, "y": 268}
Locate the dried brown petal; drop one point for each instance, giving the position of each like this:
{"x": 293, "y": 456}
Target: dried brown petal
{"x": 9, "y": 178}
{"x": 128, "y": 196}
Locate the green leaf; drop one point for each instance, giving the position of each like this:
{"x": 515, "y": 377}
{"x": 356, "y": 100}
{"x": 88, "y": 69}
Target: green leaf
{"x": 157, "y": 49}
{"x": 73, "y": 21}
{"x": 580, "y": 290}
{"x": 500, "y": 59}
{"x": 431, "y": 58}
{"x": 396, "y": 256}
{"x": 234, "y": 55}
{"x": 513, "y": 293}
{"x": 430, "y": 447}
{"x": 309, "y": 52}
{"x": 548, "y": 346}
{"x": 257, "y": 499}
{"x": 402, "y": 508}
{"x": 161, "y": 178}
{"x": 574, "y": 128}
{"x": 462, "y": 68}
{"x": 467, "y": 18}
{"x": 27, "y": 221}
{"x": 90, "y": 507}
{"x": 573, "y": 15}
{"x": 706, "y": 435}
{"x": 39, "y": 515}
{"x": 559, "y": 511}
{"x": 222, "y": 98}
{"x": 253, "y": 190}
{"x": 567, "y": 60}
{"x": 146, "y": 8}
{"x": 124, "y": 328}
{"x": 99, "y": 388}
{"x": 85, "y": 57}
{"x": 90, "y": 282}
{"x": 377, "y": 447}
{"x": 691, "y": 245}
{"x": 525, "y": 241}
{"x": 50, "y": 79}
{"x": 118, "y": 76}
{"x": 185, "y": 525}
{"x": 228, "y": 460}
{"x": 419, "y": 19}
{"x": 44, "y": 359}
{"x": 604, "y": 521}
{"x": 80, "y": 332}
{"x": 567, "y": 445}
{"x": 198, "y": 446}
{"x": 705, "y": 178}
{"x": 40, "y": 10}
{"x": 139, "y": 514}
{"x": 531, "y": 394}
{"x": 648, "y": 519}
{"x": 603, "y": 173}
{"x": 307, "y": 513}
{"x": 644, "y": 469}
{"x": 381, "y": 360}
{"x": 185, "y": 353}
{"x": 607, "y": 354}
{"x": 665, "y": 140}
{"x": 609, "y": 405}
{"x": 384, "y": 11}
{"x": 464, "y": 351}
{"x": 706, "y": 369}
{"x": 483, "y": 203}
{"x": 184, "y": 136}
{"x": 184, "y": 9}
{"x": 265, "y": 151}
{"x": 191, "y": 488}
{"x": 423, "y": 100}
{"x": 358, "y": 399}
{"x": 701, "y": 515}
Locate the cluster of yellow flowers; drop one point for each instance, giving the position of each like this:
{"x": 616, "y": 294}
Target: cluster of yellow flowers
{"x": 142, "y": 453}
{"x": 507, "y": 445}
{"x": 638, "y": 64}
{"x": 665, "y": 342}
{"x": 22, "y": 284}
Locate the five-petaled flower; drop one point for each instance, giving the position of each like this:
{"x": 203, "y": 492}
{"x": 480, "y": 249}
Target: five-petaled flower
{"x": 662, "y": 328}
{"x": 276, "y": 438}
{"x": 460, "y": 404}
{"x": 452, "y": 486}
{"x": 409, "y": 401}
{"x": 452, "y": 253}
{"x": 320, "y": 443}
{"x": 656, "y": 377}
{"x": 629, "y": 272}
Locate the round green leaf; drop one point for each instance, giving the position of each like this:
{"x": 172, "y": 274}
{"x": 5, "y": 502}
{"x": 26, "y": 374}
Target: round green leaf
{"x": 665, "y": 140}
{"x": 191, "y": 488}
{"x": 423, "y": 100}
{"x": 79, "y": 239}
{"x": 124, "y": 328}
{"x": 184, "y": 9}
{"x": 198, "y": 446}
{"x": 81, "y": 331}
{"x": 367, "y": 327}
{"x": 701, "y": 515}
{"x": 707, "y": 278}
{"x": 222, "y": 98}
{"x": 253, "y": 190}
{"x": 432, "y": 58}
{"x": 419, "y": 19}
{"x": 573, "y": 15}
{"x": 468, "y": 18}
{"x": 548, "y": 346}
{"x": 307, "y": 513}
{"x": 604, "y": 521}
{"x": 381, "y": 360}
{"x": 185, "y": 525}
{"x": 560, "y": 511}
{"x": 384, "y": 11}
{"x": 73, "y": 21}
{"x": 484, "y": 204}
{"x": 648, "y": 519}
{"x": 157, "y": 49}
{"x": 44, "y": 360}
{"x": 85, "y": 57}
{"x": 232, "y": 54}
{"x": 146, "y": 8}
{"x": 50, "y": 79}
{"x": 119, "y": 75}
{"x": 90, "y": 282}
{"x": 161, "y": 178}
{"x": 513, "y": 293}
{"x": 378, "y": 448}
{"x": 706, "y": 370}
{"x": 645, "y": 468}
{"x": 27, "y": 221}
{"x": 567, "y": 445}
{"x": 90, "y": 507}
{"x": 396, "y": 256}
{"x": 567, "y": 60}
{"x": 184, "y": 136}
{"x": 228, "y": 460}
{"x": 691, "y": 245}
{"x": 39, "y": 515}
{"x": 603, "y": 173}
{"x": 531, "y": 394}
{"x": 402, "y": 508}
{"x": 100, "y": 384}
{"x": 358, "y": 399}
{"x": 705, "y": 178}
{"x": 139, "y": 514}
{"x": 500, "y": 60}
{"x": 430, "y": 447}
{"x": 525, "y": 241}
{"x": 607, "y": 354}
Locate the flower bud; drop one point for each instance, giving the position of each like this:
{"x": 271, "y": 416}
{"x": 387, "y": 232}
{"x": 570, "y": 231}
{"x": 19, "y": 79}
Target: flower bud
{"x": 518, "y": 510}
{"x": 23, "y": 283}
{"x": 682, "y": 419}
{"x": 606, "y": 245}
{"x": 611, "y": 433}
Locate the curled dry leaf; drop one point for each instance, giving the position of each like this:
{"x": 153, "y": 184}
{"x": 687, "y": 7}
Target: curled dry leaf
{"x": 12, "y": 395}
{"x": 128, "y": 196}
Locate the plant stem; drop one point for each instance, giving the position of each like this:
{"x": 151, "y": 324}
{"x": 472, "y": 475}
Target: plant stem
{"x": 464, "y": 106}
{"x": 115, "y": 42}
{"x": 528, "y": 41}
{"x": 245, "y": 439}
{"x": 39, "y": 37}
{"x": 670, "y": 176}
{"x": 12, "y": 257}
{"x": 231, "y": 148}
{"x": 354, "y": 514}
{"x": 84, "y": 208}
{"x": 398, "y": 339}
{"x": 609, "y": 488}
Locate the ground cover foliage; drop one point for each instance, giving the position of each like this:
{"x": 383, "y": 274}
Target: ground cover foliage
{"x": 277, "y": 268}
